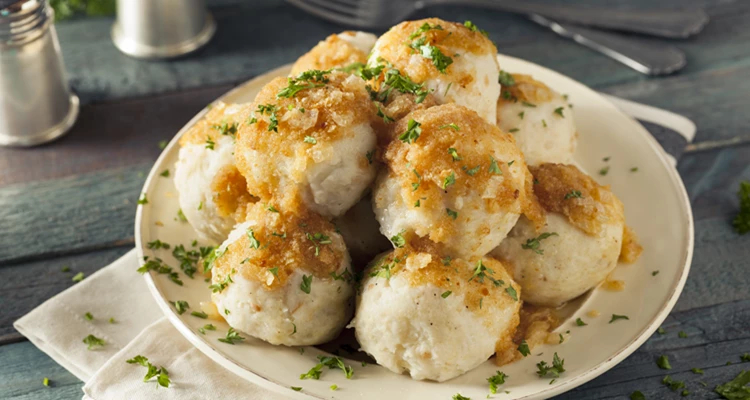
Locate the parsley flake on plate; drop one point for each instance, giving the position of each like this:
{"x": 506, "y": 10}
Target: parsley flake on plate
{"x": 232, "y": 337}
{"x": 199, "y": 314}
{"x": 88, "y": 316}
{"x": 523, "y": 348}
{"x": 615, "y": 317}
{"x": 496, "y": 380}
{"x": 579, "y": 322}
{"x": 555, "y": 370}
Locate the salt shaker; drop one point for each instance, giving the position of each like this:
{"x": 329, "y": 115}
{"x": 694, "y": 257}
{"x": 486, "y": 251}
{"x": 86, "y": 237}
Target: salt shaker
{"x": 36, "y": 104}
{"x": 157, "y": 29}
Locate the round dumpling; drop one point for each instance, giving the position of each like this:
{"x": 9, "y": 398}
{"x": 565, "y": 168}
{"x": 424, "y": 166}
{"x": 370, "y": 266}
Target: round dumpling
{"x": 361, "y": 233}
{"x": 539, "y": 118}
{"x": 452, "y": 177}
{"x": 577, "y": 248}
{"x": 456, "y": 63}
{"x": 311, "y": 135}
{"x": 337, "y": 51}
{"x": 283, "y": 277}
{"x": 434, "y": 317}
{"x": 210, "y": 187}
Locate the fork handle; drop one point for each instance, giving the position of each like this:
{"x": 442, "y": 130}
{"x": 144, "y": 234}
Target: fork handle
{"x": 669, "y": 23}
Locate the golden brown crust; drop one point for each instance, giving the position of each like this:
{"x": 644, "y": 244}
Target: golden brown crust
{"x": 324, "y": 113}
{"x": 229, "y": 189}
{"x": 557, "y": 187}
{"x": 476, "y": 142}
{"x": 283, "y": 241}
{"x": 526, "y": 89}
{"x": 422, "y": 263}
{"x": 397, "y": 106}
{"x": 333, "y": 52}
{"x": 211, "y": 126}
{"x": 631, "y": 249}
{"x": 535, "y": 325}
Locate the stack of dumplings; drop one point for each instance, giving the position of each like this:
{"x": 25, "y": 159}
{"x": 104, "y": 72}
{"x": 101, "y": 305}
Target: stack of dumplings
{"x": 404, "y": 186}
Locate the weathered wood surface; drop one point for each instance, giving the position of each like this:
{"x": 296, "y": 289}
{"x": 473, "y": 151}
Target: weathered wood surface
{"x": 72, "y": 202}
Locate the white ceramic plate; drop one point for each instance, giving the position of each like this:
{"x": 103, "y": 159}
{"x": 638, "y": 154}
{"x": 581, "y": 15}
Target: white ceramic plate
{"x": 656, "y": 206}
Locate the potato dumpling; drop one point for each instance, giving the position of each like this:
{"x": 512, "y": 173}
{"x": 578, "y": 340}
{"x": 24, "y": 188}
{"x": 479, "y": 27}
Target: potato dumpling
{"x": 577, "y": 248}
{"x": 361, "y": 233}
{"x": 434, "y": 317}
{"x": 310, "y": 135}
{"x": 539, "y": 118}
{"x": 337, "y": 51}
{"x": 452, "y": 177}
{"x": 210, "y": 187}
{"x": 456, "y": 63}
{"x": 283, "y": 277}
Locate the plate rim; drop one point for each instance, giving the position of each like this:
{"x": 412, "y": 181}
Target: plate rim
{"x": 268, "y": 383}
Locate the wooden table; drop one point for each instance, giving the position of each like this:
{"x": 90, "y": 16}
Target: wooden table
{"x": 72, "y": 202}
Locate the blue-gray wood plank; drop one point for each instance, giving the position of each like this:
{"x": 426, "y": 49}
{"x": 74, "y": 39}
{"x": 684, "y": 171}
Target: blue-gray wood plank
{"x": 71, "y": 202}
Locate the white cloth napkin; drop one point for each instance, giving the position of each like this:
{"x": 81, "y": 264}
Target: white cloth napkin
{"x": 58, "y": 326}
{"x": 117, "y": 291}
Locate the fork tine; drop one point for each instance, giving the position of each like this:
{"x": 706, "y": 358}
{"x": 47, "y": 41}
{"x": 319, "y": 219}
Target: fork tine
{"x": 320, "y": 10}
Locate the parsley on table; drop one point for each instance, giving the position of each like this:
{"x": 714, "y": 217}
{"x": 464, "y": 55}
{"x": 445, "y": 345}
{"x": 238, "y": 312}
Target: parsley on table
{"x": 741, "y": 222}
{"x": 615, "y": 317}
{"x": 579, "y": 322}
{"x": 232, "y": 337}
{"x": 334, "y": 387}
{"x": 523, "y": 348}
{"x": 65, "y": 268}
{"x": 634, "y": 169}
{"x": 163, "y": 144}
{"x": 45, "y": 381}
{"x": 745, "y": 357}
{"x": 306, "y": 284}
{"x": 682, "y": 334}
{"x": 88, "y": 316}
{"x": 161, "y": 374}
{"x": 663, "y": 362}
{"x": 737, "y": 388}
{"x": 78, "y": 277}
{"x": 661, "y": 331}
{"x": 696, "y": 371}
{"x": 534, "y": 243}
{"x": 112, "y": 320}
{"x": 506, "y": 79}
{"x": 555, "y": 370}
{"x": 92, "y": 341}
{"x": 412, "y": 133}
{"x": 637, "y": 395}
{"x": 671, "y": 384}
{"x": 496, "y": 380}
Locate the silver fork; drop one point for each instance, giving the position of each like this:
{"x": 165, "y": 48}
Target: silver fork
{"x": 671, "y": 23}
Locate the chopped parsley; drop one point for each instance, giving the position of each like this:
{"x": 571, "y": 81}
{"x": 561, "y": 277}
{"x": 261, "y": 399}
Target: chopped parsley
{"x": 143, "y": 199}
{"x": 521, "y": 114}
{"x": 383, "y": 115}
{"x": 200, "y": 206}
{"x": 88, "y": 316}
{"x": 661, "y": 331}
{"x": 452, "y": 126}
{"x": 161, "y": 374}
{"x": 481, "y": 271}
{"x": 331, "y": 363}
{"x": 496, "y": 380}
{"x": 637, "y": 395}
{"x": 232, "y": 337}
{"x": 112, "y": 320}
{"x": 275, "y": 271}
{"x": 513, "y": 130}
{"x": 92, "y": 341}
{"x": 534, "y": 243}
{"x": 157, "y": 244}
{"x": 451, "y": 213}
{"x": 210, "y": 144}
{"x": 741, "y": 222}
{"x": 296, "y": 388}
{"x": 415, "y": 186}
{"x": 654, "y": 273}
{"x": 472, "y": 27}
{"x": 458, "y": 396}
{"x": 544, "y": 123}
{"x": 555, "y": 370}
{"x": 45, "y": 381}
{"x": 471, "y": 172}
{"x": 226, "y": 129}
{"x": 745, "y": 357}
{"x": 446, "y": 294}
{"x": 220, "y": 286}
{"x": 615, "y": 317}
{"x": 527, "y": 104}
{"x": 207, "y": 327}
{"x": 181, "y": 216}
{"x": 454, "y": 154}
{"x": 424, "y": 28}
{"x": 572, "y": 194}
{"x": 270, "y": 110}
{"x": 634, "y": 169}
{"x": 254, "y": 243}
{"x": 78, "y": 277}
{"x": 439, "y": 60}
{"x": 737, "y": 388}
{"x": 180, "y": 306}
{"x": 189, "y": 258}
{"x": 165, "y": 173}
{"x": 334, "y": 387}
{"x": 559, "y": 111}
{"x": 158, "y": 266}
{"x": 494, "y": 167}
{"x": 398, "y": 240}
{"x": 663, "y": 362}
{"x": 579, "y": 322}
{"x": 384, "y": 269}
{"x": 506, "y": 79}
{"x": 305, "y": 80}
{"x": 318, "y": 239}
{"x": 394, "y": 80}
{"x": 65, "y": 268}
{"x": 604, "y": 171}
{"x": 412, "y": 133}
{"x": 682, "y": 334}
{"x": 446, "y": 261}
{"x": 672, "y": 385}
{"x": 163, "y": 144}
{"x": 199, "y": 314}
{"x": 306, "y": 284}
{"x": 523, "y": 348}
{"x": 696, "y": 371}
{"x": 310, "y": 139}
{"x": 449, "y": 180}
{"x": 512, "y": 293}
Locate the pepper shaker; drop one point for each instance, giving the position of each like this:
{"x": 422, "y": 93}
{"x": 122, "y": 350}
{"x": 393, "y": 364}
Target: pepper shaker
{"x": 36, "y": 104}
{"x": 158, "y": 29}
